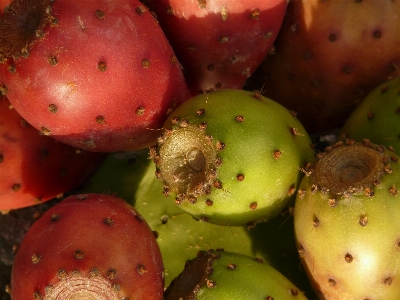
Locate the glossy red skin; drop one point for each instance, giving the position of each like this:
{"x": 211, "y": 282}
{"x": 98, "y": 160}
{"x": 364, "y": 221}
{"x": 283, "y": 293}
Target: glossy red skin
{"x": 43, "y": 167}
{"x": 120, "y": 246}
{"x": 82, "y": 93}
{"x": 195, "y": 34}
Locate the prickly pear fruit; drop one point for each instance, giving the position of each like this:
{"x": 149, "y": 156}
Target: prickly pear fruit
{"x": 231, "y": 157}
{"x": 219, "y": 43}
{"x": 218, "y": 274}
{"x": 89, "y": 246}
{"x": 346, "y": 222}
{"x": 98, "y": 75}
{"x": 377, "y": 117}
{"x": 131, "y": 176}
{"x": 329, "y": 55}
{"x": 35, "y": 168}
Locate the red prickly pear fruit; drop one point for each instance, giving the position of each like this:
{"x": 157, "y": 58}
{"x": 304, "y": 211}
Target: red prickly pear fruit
{"x": 35, "y": 168}
{"x": 89, "y": 246}
{"x": 98, "y": 75}
{"x": 329, "y": 55}
{"x": 219, "y": 43}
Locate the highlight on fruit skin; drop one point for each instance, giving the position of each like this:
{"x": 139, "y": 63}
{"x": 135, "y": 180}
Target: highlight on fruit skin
{"x": 231, "y": 157}
{"x": 346, "y": 222}
{"x": 88, "y": 246}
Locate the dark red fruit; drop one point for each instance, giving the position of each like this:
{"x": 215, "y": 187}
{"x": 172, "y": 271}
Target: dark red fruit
{"x": 89, "y": 246}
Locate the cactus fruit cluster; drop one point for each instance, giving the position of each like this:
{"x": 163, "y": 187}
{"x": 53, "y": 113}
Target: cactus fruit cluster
{"x": 158, "y": 130}
{"x": 346, "y": 222}
{"x": 231, "y": 157}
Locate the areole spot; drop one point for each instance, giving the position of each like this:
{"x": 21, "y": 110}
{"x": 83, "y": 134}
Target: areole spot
{"x": 35, "y": 258}
{"x": 78, "y": 254}
{"x": 145, "y": 63}
{"x": 348, "y": 258}
{"x": 53, "y": 108}
{"x": 102, "y": 66}
{"x": 100, "y": 14}
{"x": 16, "y": 187}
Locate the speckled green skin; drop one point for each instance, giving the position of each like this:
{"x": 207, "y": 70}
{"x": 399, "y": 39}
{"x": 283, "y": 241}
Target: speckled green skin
{"x": 268, "y": 147}
{"x": 180, "y": 237}
{"x": 377, "y": 117}
{"x": 231, "y": 276}
{"x": 350, "y": 247}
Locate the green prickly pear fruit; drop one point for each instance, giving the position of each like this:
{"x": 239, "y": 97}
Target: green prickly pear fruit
{"x": 377, "y": 117}
{"x": 232, "y": 157}
{"x": 218, "y": 274}
{"x": 347, "y": 224}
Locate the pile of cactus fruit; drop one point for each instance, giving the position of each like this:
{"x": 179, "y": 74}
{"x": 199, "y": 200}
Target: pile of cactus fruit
{"x": 199, "y": 149}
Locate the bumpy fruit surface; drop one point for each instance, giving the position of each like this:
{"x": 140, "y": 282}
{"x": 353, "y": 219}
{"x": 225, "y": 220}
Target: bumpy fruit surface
{"x": 326, "y": 60}
{"x": 231, "y": 157}
{"x": 226, "y": 275}
{"x": 98, "y": 75}
{"x": 89, "y": 246}
{"x": 35, "y": 168}
{"x": 219, "y": 43}
{"x": 377, "y": 117}
{"x": 347, "y": 225}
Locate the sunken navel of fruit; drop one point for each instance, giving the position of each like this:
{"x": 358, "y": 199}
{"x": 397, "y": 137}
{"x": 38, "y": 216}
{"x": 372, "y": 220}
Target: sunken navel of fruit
{"x": 231, "y": 157}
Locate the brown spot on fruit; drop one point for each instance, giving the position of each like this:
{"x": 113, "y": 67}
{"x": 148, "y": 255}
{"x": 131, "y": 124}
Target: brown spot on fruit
{"x": 78, "y": 254}
{"x": 239, "y": 119}
{"x": 52, "y": 59}
{"x": 45, "y": 131}
{"x": 108, "y": 221}
{"x": 332, "y": 37}
{"x": 145, "y": 63}
{"x": 377, "y": 34}
{"x": 111, "y": 273}
{"x": 141, "y": 9}
{"x": 217, "y": 184}
{"x": 388, "y": 281}
{"x": 393, "y": 191}
{"x": 223, "y": 39}
{"x": 62, "y": 274}
{"x": 53, "y": 108}
{"x": 100, "y": 14}
{"x": 102, "y": 66}
{"x": 201, "y": 112}
{"x": 294, "y": 292}
{"x": 101, "y": 120}
{"x": 16, "y": 187}
{"x": 239, "y": 177}
{"x": 211, "y": 283}
{"x": 140, "y": 111}
{"x": 220, "y": 145}
{"x": 316, "y": 222}
{"x": 332, "y": 282}
{"x": 348, "y": 258}
{"x": 202, "y": 3}
{"x": 255, "y": 14}
{"x": 253, "y": 205}
{"x": 35, "y": 258}
{"x": 363, "y": 220}
{"x": 277, "y": 154}
{"x": 209, "y": 202}
{"x": 232, "y": 266}
{"x": 141, "y": 269}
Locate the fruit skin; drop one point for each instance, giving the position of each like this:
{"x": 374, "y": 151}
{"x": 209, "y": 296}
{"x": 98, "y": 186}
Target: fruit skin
{"x": 219, "y": 43}
{"x": 231, "y": 157}
{"x": 347, "y": 230}
{"x": 377, "y": 117}
{"x": 218, "y": 274}
{"x": 102, "y": 77}
{"x": 35, "y": 168}
{"x": 89, "y": 238}
{"x": 326, "y": 60}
